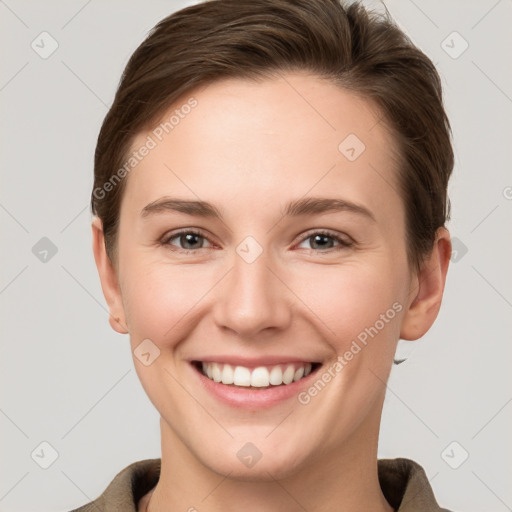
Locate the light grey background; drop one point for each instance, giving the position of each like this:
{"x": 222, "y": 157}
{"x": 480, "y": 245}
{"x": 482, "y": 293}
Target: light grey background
{"x": 67, "y": 379}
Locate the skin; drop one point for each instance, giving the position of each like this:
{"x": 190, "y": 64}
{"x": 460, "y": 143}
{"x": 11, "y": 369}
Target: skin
{"x": 249, "y": 148}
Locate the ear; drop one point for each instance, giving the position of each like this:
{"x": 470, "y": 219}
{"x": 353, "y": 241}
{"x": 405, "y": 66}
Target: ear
{"x": 108, "y": 278}
{"x": 427, "y": 289}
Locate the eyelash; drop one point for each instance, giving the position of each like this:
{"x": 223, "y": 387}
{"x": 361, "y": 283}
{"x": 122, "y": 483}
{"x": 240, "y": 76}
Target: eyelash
{"x": 343, "y": 244}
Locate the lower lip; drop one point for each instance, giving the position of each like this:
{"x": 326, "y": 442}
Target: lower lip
{"x": 251, "y": 398}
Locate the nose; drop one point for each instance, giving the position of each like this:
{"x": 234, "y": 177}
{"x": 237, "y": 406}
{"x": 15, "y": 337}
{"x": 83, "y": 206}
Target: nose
{"x": 253, "y": 298}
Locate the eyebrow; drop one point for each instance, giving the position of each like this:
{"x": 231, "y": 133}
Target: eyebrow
{"x": 303, "y": 206}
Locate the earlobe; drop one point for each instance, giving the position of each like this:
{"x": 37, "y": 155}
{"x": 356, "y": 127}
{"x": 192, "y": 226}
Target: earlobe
{"x": 427, "y": 289}
{"x": 108, "y": 279}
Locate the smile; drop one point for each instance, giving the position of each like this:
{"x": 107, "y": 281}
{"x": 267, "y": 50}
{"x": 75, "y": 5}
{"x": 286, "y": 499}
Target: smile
{"x": 258, "y": 377}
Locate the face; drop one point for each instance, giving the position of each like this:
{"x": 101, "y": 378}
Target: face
{"x": 295, "y": 270}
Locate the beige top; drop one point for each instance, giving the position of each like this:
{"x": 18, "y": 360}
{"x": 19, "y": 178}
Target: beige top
{"x": 404, "y": 485}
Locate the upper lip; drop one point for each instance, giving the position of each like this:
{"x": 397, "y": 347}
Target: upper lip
{"x": 253, "y": 362}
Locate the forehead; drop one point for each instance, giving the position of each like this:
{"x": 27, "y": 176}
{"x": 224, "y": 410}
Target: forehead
{"x": 265, "y": 139}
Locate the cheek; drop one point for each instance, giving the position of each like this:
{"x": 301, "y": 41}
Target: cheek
{"x": 340, "y": 300}
{"x": 161, "y": 303}
{"x": 347, "y": 299}
{"x": 161, "y": 299}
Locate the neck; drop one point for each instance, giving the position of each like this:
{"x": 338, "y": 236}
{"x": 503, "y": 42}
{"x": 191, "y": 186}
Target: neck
{"x": 342, "y": 479}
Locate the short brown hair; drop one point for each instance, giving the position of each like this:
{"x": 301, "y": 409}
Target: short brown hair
{"x": 361, "y": 51}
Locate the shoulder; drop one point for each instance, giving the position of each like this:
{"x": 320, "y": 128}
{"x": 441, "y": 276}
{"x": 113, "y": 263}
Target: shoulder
{"x": 126, "y": 489}
{"x": 405, "y": 485}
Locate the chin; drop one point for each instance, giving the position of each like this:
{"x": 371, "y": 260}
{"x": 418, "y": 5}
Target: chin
{"x": 246, "y": 462}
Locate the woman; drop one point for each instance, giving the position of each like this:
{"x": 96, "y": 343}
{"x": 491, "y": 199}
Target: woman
{"x": 270, "y": 198}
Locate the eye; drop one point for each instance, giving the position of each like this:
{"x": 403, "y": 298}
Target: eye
{"x": 189, "y": 240}
{"x": 323, "y": 240}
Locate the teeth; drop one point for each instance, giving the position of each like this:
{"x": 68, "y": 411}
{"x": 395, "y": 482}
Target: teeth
{"x": 217, "y": 377}
{"x": 260, "y": 377}
{"x": 288, "y": 374}
{"x": 276, "y": 376}
{"x": 227, "y": 374}
{"x": 299, "y": 373}
{"x": 209, "y": 372}
{"x": 242, "y": 376}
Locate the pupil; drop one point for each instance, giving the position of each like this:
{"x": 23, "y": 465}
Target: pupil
{"x": 319, "y": 237}
{"x": 188, "y": 238}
